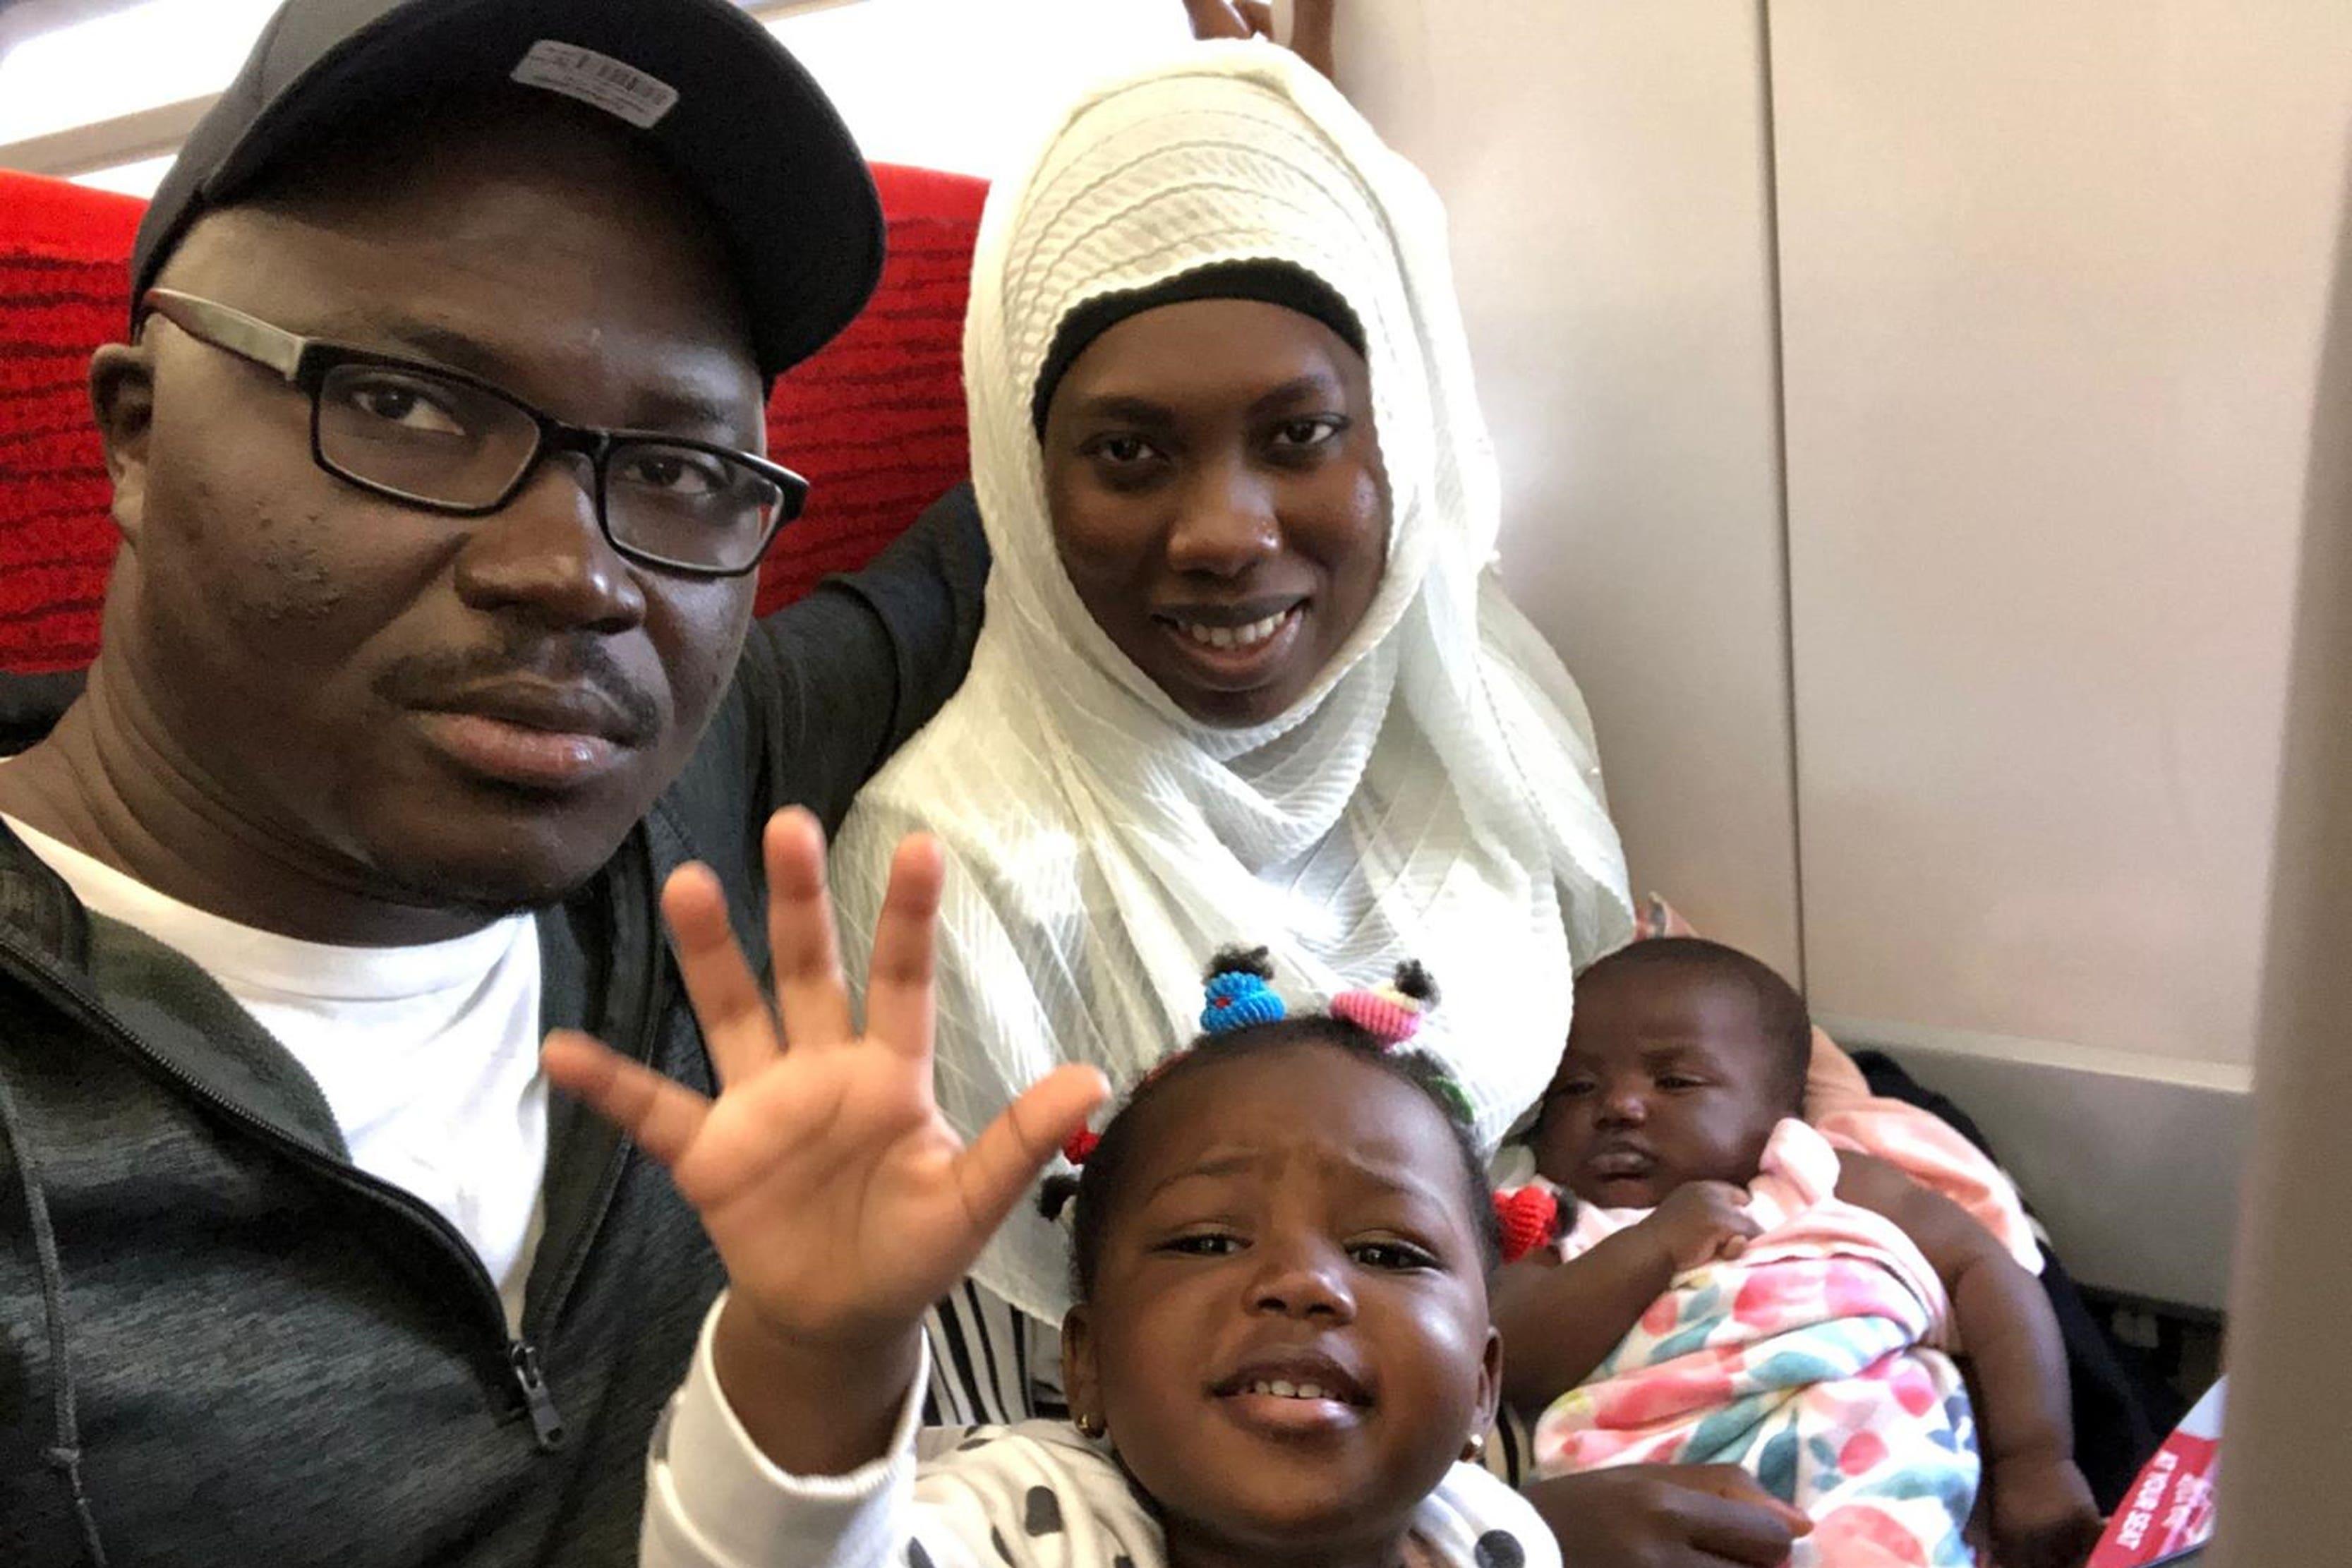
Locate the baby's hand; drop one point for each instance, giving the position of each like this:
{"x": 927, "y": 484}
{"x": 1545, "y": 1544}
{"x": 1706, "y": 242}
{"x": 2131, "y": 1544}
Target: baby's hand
{"x": 1700, "y": 1223}
{"x": 2042, "y": 1515}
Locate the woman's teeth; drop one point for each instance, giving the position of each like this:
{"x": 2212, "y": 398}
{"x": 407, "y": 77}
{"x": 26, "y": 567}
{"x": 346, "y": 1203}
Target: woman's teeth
{"x": 1249, "y": 635}
{"x": 1284, "y": 1390}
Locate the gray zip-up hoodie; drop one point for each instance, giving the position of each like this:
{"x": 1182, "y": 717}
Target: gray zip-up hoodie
{"x": 222, "y": 1343}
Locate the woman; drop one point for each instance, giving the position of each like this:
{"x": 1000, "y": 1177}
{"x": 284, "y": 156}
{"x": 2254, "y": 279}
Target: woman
{"x": 1245, "y": 674}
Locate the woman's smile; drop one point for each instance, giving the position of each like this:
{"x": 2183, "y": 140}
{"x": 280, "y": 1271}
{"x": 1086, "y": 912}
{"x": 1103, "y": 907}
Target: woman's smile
{"x": 1230, "y": 654}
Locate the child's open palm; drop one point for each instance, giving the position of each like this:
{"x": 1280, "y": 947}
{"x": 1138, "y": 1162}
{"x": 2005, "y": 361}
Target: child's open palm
{"x": 840, "y": 1203}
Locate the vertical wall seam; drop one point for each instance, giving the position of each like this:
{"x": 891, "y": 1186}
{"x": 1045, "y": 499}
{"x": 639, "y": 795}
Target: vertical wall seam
{"x": 1771, "y": 175}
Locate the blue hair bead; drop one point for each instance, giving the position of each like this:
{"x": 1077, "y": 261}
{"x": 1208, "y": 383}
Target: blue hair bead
{"x": 1238, "y": 999}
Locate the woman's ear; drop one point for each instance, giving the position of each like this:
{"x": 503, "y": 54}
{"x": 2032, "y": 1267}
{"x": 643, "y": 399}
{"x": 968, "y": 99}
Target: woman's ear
{"x": 1080, "y": 1386}
{"x": 123, "y": 396}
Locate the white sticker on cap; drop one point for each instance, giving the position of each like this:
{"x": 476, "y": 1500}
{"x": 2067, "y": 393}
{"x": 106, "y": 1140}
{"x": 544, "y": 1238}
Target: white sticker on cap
{"x": 614, "y": 86}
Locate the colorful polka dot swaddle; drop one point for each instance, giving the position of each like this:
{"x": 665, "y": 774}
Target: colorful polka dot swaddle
{"x": 1810, "y": 1361}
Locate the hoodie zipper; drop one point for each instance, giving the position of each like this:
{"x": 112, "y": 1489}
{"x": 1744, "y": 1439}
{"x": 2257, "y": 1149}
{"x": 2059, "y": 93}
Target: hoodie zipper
{"x": 520, "y": 1357}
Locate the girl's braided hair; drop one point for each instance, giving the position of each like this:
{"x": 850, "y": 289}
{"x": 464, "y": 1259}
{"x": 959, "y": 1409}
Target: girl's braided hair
{"x": 1244, "y": 1018}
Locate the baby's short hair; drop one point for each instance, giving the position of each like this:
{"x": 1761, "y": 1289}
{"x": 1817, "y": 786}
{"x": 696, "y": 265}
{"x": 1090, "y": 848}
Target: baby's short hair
{"x": 1786, "y": 1029}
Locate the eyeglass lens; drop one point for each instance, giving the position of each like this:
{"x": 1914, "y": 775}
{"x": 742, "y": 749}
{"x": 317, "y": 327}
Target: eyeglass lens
{"x": 442, "y": 441}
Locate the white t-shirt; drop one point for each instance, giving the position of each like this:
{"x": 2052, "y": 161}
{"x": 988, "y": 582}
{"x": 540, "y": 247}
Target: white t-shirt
{"x": 428, "y": 1055}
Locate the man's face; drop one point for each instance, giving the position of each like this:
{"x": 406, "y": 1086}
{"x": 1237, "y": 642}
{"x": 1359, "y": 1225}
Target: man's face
{"x": 441, "y": 711}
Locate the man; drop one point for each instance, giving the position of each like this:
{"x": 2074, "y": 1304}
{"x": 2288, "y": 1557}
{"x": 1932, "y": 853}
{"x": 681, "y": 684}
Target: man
{"x": 416, "y": 681}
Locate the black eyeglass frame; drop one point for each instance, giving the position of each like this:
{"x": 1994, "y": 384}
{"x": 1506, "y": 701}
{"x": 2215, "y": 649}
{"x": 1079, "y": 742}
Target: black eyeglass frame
{"x": 306, "y": 362}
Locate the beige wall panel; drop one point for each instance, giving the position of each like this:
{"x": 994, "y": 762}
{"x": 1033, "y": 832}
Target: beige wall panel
{"x": 2053, "y": 282}
{"x": 1605, "y": 168}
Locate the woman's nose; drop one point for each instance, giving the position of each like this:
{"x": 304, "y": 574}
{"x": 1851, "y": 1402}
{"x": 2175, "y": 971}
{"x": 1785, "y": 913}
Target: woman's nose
{"x": 1226, "y": 523}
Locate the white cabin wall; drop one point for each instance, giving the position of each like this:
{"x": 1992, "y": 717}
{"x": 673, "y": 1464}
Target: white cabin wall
{"x": 2053, "y": 284}
{"x": 1604, "y": 166}
{"x": 2054, "y": 292}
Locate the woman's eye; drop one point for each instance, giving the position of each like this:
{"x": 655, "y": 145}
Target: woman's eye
{"x": 1296, "y": 433}
{"x": 1303, "y": 443}
{"x": 404, "y": 404}
{"x": 1120, "y": 451}
{"x": 1391, "y": 1254}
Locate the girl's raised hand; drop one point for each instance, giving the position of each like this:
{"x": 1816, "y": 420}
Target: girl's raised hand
{"x": 840, "y": 1201}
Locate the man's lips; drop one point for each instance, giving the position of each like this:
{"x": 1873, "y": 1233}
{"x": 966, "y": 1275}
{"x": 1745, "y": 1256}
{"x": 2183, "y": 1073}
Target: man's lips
{"x": 577, "y": 708}
{"x": 533, "y": 735}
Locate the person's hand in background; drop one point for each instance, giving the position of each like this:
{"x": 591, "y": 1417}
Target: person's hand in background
{"x": 1311, "y": 25}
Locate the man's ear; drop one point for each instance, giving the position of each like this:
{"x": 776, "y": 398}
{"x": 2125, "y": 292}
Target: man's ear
{"x": 123, "y": 396}
{"x": 1080, "y": 1386}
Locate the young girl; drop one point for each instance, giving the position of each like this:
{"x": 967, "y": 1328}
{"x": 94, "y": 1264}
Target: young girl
{"x": 1281, "y": 1352}
{"x": 1739, "y": 1290}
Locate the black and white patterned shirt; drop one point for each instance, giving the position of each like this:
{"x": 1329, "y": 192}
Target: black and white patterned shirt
{"x": 1031, "y": 1495}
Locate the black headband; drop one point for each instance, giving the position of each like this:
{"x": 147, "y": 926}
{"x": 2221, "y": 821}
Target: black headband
{"x": 1273, "y": 282}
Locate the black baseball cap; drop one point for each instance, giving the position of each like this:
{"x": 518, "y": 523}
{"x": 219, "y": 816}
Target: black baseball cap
{"x": 730, "y": 111}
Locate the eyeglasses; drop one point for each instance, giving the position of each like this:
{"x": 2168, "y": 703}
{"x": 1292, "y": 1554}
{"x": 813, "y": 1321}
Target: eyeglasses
{"x": 446, "y": 442}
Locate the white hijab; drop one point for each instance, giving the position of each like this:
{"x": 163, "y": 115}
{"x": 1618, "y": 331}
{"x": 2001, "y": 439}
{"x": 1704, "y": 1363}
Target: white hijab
{"x": 1435, "y": 795}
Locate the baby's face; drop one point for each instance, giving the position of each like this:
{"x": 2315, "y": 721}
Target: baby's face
{"x": 1666, "y": 1080}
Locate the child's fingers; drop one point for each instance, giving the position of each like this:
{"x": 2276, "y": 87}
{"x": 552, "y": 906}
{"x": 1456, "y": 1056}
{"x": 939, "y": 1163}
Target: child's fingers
{"x": 737, "y": 1027}
{"x": 660, "y": 1116}
{"x": 810, "y": 993}
{"x": 899, "y": 985}
{"x": 995, "y": 1173}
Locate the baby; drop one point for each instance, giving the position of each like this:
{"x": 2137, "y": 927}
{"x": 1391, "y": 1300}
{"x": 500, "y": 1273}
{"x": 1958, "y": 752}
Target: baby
{"x": 1282, "y": 1351}
{"x": 1735, "y": 1289}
